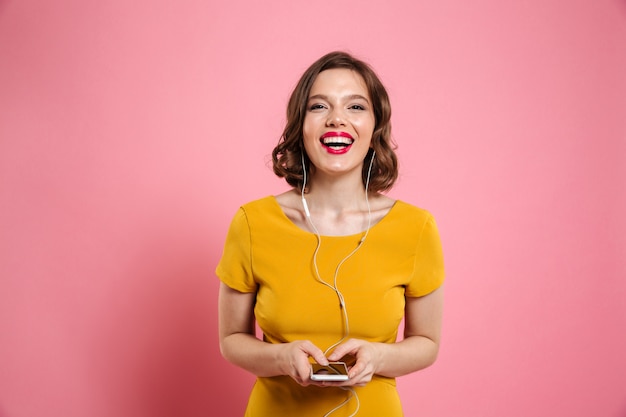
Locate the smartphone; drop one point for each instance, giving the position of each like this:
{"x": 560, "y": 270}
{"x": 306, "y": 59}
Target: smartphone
{"x": 334, "y": 371}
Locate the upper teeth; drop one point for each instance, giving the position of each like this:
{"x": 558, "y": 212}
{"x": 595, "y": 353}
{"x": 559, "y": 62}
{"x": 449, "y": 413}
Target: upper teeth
{"x": 338, "y": 139}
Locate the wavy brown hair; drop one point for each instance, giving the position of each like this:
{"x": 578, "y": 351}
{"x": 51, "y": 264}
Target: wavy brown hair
{"x": 288, "y": 154}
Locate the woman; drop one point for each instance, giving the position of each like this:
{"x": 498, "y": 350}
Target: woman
{"x": 330, "y": 268}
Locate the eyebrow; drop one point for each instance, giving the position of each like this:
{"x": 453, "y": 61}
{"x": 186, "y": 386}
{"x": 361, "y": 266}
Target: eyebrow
{"x": 350, "y": 97}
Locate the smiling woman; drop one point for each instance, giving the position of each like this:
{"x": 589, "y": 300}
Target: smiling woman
{"x": 330, "y": 267}
{"x": 287, "y": 155}
{"x": 339, "y": 119}
{"x": 129, "y": 136}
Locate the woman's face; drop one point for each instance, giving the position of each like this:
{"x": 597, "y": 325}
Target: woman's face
{"x": 339, "y": 122}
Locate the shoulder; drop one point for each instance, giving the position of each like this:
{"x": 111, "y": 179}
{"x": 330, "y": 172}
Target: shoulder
{"x": 288, "y": 199}
{"x": 380, "y": 207}
{"x": 412, "y": 210}
{"x": 254, "y": 209}
{"x": 261, "y": 205}
{"x": 264, "y": 218}
{"x": 411, "y": 218}
{"x": 290, "y": 203}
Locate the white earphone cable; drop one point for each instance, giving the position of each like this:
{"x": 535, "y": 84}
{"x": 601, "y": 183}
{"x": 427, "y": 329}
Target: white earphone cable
{"x": 334, "y": 286}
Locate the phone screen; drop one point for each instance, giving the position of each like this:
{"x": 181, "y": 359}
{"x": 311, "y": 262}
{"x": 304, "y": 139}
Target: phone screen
{"x": 334, "y": 371}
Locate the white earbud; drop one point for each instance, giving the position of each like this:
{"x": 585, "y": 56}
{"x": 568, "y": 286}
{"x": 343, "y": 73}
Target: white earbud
{"x": 306, "y": 207}
{"x": 304, "y": 204}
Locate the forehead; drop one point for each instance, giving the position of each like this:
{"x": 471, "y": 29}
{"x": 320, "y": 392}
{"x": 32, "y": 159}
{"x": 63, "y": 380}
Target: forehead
{"x": 339, "y": 81}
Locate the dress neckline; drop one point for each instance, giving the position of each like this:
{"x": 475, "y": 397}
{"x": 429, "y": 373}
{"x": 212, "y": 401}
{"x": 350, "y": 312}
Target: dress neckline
{"x": 308, "y": 232}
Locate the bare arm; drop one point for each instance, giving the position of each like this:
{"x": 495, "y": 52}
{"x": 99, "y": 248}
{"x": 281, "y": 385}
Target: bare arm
{"x": 240, "y": 346}
{"x": 418, "y": 349}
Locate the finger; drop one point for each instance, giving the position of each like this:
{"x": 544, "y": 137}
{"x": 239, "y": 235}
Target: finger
{"x": 356, "y": 370}
{"x": 342, "y": 350}
{"x": 316, "y": 353}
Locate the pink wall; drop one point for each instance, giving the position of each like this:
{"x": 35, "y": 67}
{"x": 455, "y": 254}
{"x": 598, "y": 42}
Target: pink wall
{"x": 131, "y": 131}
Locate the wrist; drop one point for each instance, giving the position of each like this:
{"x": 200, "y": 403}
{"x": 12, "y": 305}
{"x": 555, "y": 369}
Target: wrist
{"x": 381, "y": 353}
{"x": 279, "y": 357}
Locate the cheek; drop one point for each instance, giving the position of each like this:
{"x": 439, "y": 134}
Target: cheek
{"x": 364, "y": 122}
{"x": 365, "y": 127}
{"x": 309, "y": 130}
{"x": 306, "y": 134}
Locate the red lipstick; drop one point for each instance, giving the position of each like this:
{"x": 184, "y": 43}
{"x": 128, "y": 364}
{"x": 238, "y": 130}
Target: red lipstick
{"x": 337, "y": 143}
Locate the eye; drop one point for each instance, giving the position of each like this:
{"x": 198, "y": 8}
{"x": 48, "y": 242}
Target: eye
{"x": 357, "y": 107}
{"x": 316, "y": 106}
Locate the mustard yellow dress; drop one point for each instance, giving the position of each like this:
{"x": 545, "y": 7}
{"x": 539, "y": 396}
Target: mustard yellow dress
{"x": 268, "y": 254}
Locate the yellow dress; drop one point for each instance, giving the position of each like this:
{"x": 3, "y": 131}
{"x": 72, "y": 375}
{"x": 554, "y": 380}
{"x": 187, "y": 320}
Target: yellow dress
{"x": 267, "y": 253}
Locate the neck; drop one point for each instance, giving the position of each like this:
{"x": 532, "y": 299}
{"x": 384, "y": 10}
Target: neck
{"x": 338, "y": 211}
{"x": 334, "y": 195}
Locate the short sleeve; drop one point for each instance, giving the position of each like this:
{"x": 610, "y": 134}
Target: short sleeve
{"x": 235, "y": 266}
{"x": 428, "y": 272}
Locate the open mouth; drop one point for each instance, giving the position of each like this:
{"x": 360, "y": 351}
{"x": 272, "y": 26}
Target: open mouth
{"x": 337, "y": 144}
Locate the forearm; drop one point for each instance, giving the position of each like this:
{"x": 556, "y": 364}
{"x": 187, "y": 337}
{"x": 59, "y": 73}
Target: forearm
{"x": 406, "y": 356}
{"x": 254, "y": 355}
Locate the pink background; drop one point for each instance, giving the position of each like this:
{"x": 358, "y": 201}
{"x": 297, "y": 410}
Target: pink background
{"x": 131, "y": 131}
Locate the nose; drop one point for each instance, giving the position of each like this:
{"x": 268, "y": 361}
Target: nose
{"x": 335, "y": 118}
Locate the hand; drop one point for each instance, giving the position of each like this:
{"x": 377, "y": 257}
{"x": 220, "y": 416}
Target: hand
{"x": 295, "y": 360}
{"x": 368, "y": 357}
